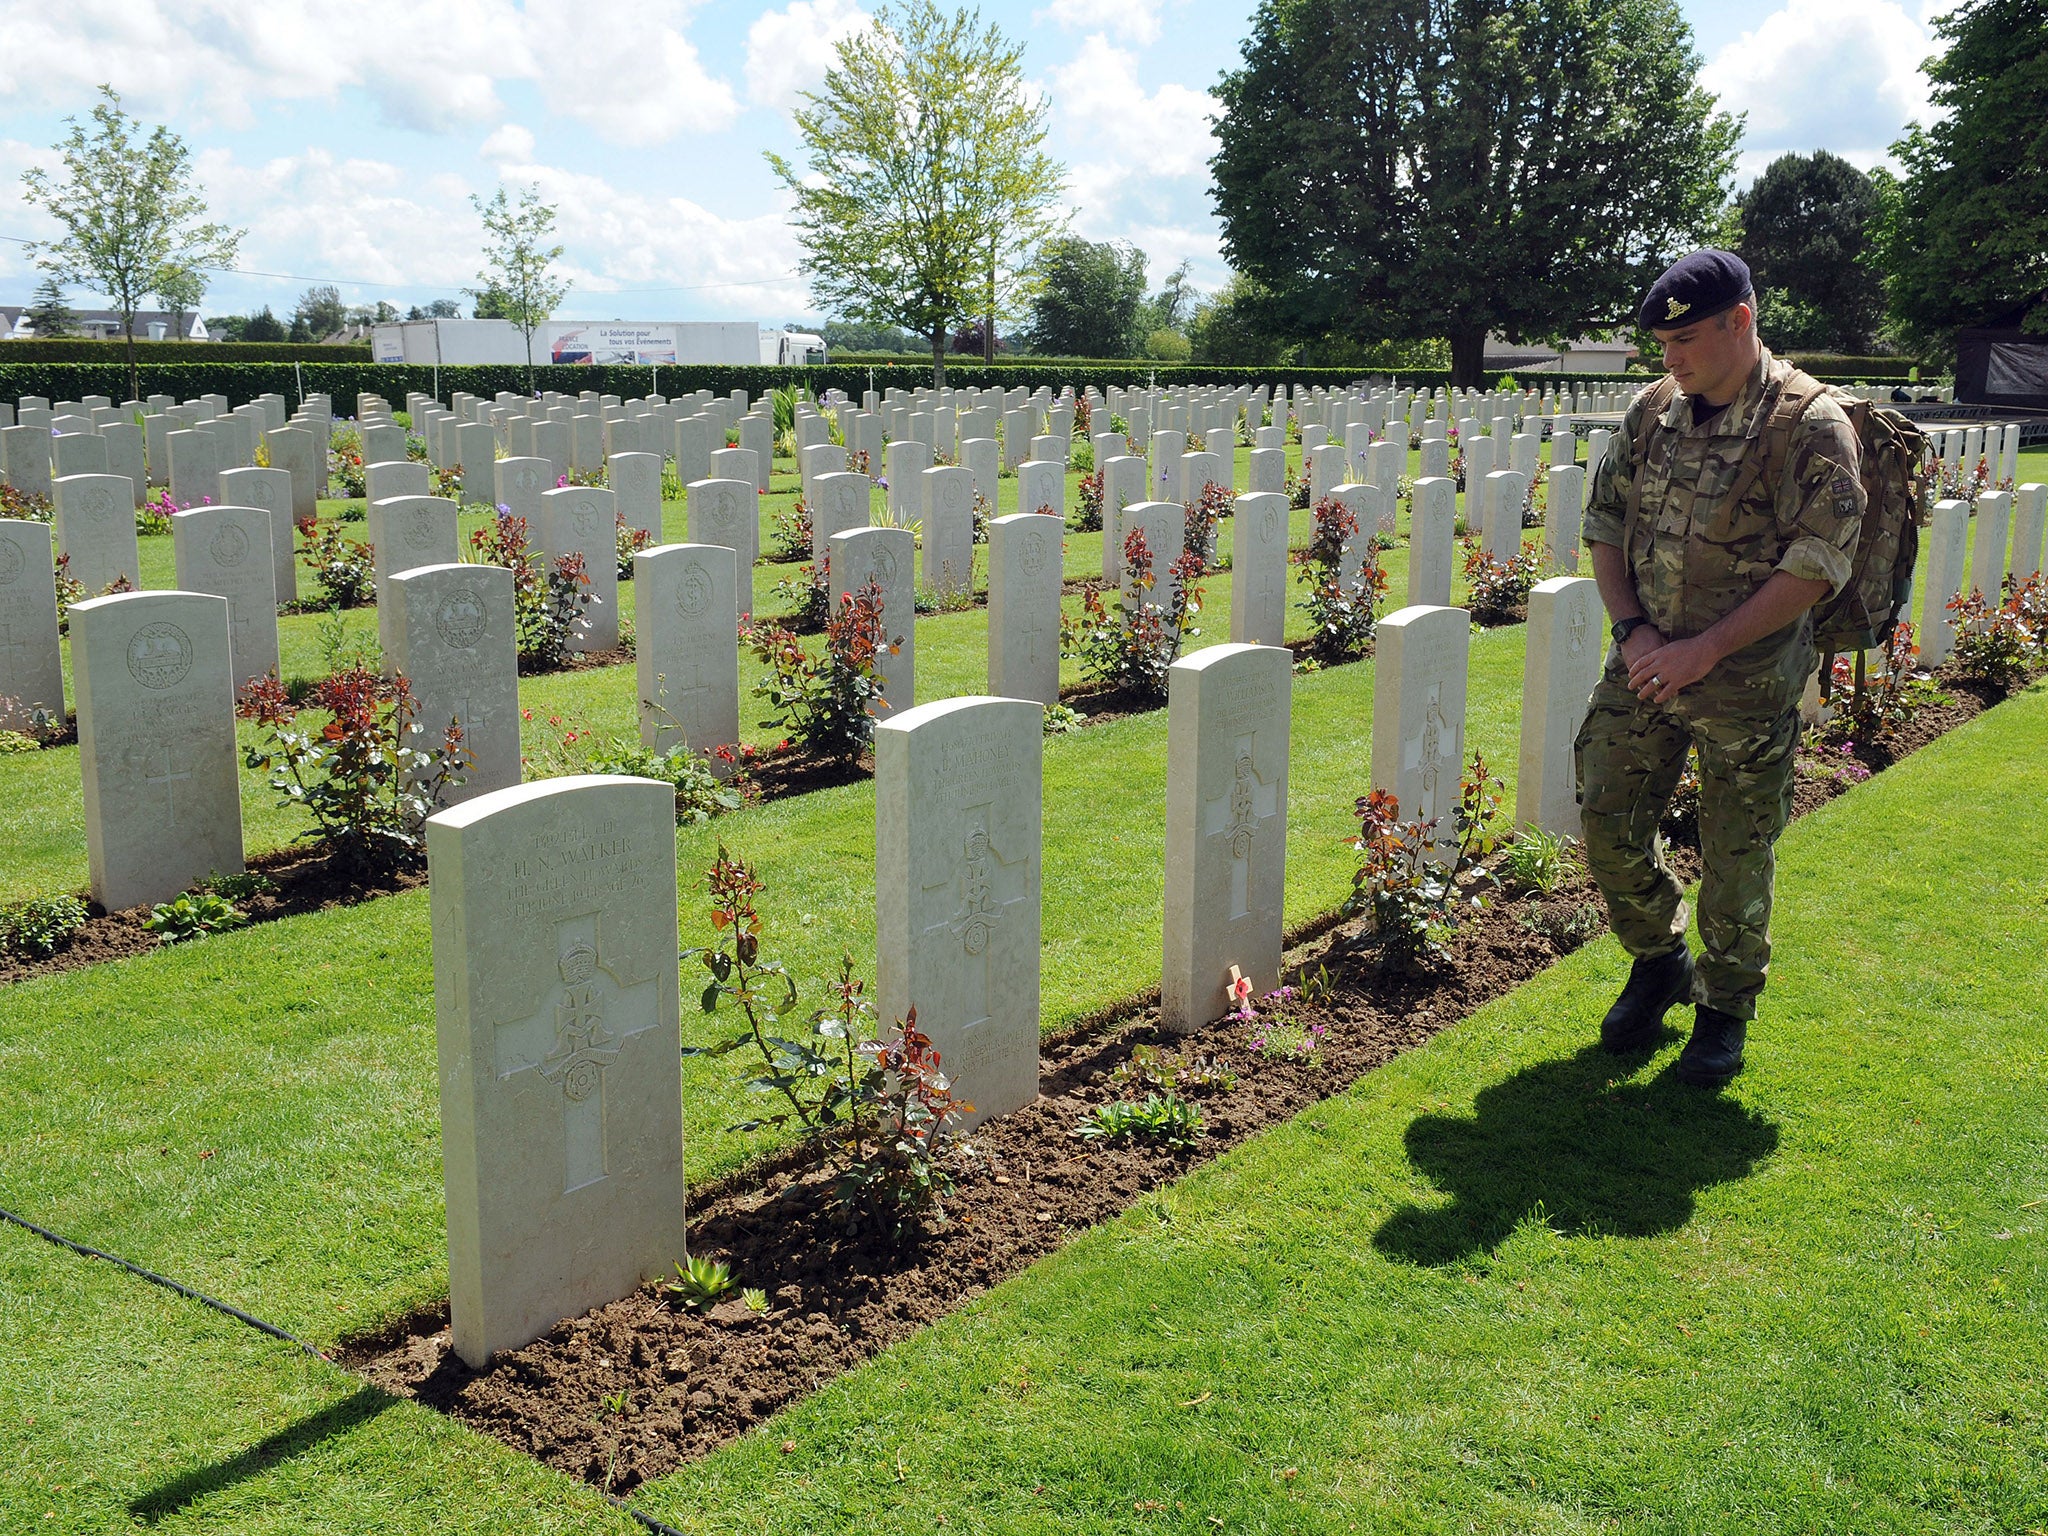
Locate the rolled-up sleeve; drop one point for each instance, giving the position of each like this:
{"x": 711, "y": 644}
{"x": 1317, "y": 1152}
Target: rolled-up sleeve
{"x": 1827, "y": 513}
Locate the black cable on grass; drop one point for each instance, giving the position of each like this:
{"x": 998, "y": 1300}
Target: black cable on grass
{"x": 85, "y": 1250}
{"x": 163, "y": 1280}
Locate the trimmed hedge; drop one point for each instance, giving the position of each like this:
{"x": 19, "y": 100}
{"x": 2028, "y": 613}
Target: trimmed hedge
{"x": 1832, "y": 365}
{"x": 151, "y": 353}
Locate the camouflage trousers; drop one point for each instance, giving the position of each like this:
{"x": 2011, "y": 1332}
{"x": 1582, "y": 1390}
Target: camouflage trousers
{"x": 1629, "y": 756}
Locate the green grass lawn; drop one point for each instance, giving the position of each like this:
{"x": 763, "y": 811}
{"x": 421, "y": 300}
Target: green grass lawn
{"x": 1501, "y": 1284}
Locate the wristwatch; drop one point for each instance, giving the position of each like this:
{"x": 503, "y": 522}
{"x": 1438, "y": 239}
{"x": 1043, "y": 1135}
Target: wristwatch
{"x": 1623, "y": 628}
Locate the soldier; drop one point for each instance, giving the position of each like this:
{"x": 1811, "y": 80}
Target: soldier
{"x": 1717, "y": 522}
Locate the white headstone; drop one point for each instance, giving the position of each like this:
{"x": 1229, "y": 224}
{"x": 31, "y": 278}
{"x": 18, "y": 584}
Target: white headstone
{"x": 520, "y": 483}
{"x": 907, "y": 460}
{"x": 1948, "y": 530}
{"x": 156, "y": 738}
{"x": 298, "y": 451}
{"x": 692, "y": 448}
{"x": 957, "y": 888}
{"x": 1024, "y": 606}
{"x": 95, "y": 526}
{"x": 25, "y": 458}
{"x": 1418, "y": 712}
{"x": 556, "y": 1006}
{"x": 1042, "y": 487}
{"x": 1988, "y": 551}
{"x": 838, "y": 502}
{"x": 1432, "y": 541}
{"x": 2029, "y": 511}
{"x": 1479, "y": 463}
{"x": 454, "y": 636}
{"x": 226, "y": 551}
{"x": 581, "y": 519}
{"x": 883, "y": 556}
{"x": 1164, "y": 524}
{"x": 1565, "y": 647}
{"x": 1258, "y": 569}
{"x": 1226, "y": 827}
{"x": 195, "y": 468}
{"x": 270, "y": 489}
{"x": 1565, "y": 514}
{"x": 946, "y": 507}
{"x": 1123, "y": 485}
{"x": 1505, "y": 491}
{"x": 686, "y": 648}
{"x": 727, "y": 512}
{"x": 31, "y": 659}
{"x": 635, "y": 479}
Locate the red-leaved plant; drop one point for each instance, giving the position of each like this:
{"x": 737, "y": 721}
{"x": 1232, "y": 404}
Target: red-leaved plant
{"x": 824, "y": 702}
{"x": 1342, "y": 612}
{"x": 1131, "y": 646}
{"x": 369, "y": 777}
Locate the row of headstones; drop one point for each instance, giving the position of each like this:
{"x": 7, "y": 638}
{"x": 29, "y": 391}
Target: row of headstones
{"x": 158, "y": 442}
{"x": 554, "y": 921}
{"x": 1998, "y": 444}
{"x": 2009, "y": 542}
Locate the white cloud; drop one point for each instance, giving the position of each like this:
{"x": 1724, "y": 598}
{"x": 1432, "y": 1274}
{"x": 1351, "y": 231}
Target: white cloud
{"x": 511, "y": 144}
{"x": 1161, "y": 133}
{"x": 1842, "y": 75}
{"x": 789, "y": 51}
{"x": 625, "y": 67}
{"x": 1136, "y": 21}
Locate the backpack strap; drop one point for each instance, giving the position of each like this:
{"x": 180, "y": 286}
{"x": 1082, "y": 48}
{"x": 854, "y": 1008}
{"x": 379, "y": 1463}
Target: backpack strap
{"x": 1798, "y": 392}
{"x": 1656, "y": 401}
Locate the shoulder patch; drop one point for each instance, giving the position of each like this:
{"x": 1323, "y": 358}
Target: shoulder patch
{"x": 1844, "y": 490}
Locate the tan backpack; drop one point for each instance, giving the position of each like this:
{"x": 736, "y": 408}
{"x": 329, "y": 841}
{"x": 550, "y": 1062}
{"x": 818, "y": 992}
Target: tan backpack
{"x": 1894, "y": 455}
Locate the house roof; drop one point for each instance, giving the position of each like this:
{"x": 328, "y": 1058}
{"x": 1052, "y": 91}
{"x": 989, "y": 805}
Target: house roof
{"x": 108, "y": 321}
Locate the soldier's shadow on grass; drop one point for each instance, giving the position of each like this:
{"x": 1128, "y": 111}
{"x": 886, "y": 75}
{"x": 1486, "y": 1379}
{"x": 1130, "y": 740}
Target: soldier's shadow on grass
{"x": 295, "y": 1439}
{"x": 1597, "y": 1150}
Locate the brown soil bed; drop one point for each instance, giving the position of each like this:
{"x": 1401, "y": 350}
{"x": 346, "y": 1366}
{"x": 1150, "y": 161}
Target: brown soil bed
{"x": 838, "y": 1296}
{"x": 304, "y": 881}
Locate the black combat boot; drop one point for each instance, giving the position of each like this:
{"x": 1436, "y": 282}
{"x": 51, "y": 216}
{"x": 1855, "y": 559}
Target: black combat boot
{"x": 1638, "y": 1014}
{"x": 1714, "y": 1053}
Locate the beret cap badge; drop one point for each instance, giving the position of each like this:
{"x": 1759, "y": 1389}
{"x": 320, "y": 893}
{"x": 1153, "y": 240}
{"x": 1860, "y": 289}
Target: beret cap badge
{"x": 1673, "y": 309}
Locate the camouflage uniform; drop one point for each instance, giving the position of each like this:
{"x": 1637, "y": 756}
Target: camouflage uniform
{"x": 1694, "y": 560}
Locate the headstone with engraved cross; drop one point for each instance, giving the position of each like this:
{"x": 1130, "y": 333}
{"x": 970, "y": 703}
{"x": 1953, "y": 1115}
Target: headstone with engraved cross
{"x": 1566, "y": 645}
{"x": 839, "y": 501}
{"x": 455, "y": 638}
{"x": 227, "y": 551}
{"x": 1418, "y": 714}
{"x": 1226, "y": 827}
{"x": 727, "y": 512}
{"x": 555, "y": 1000}
{"x": 1024, "y": 606}
{"x": 156, "y": 743}
{"x": 957, "y": 888}
{"x": 686, "y": 651}
{"x": 31, "y": 659}
{"x": 271, "y": 490}
{"x": 636, "y": 482}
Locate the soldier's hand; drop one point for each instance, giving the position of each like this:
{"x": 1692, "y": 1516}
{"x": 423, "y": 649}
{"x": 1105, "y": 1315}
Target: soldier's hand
{"x": 1658, "y": 675}
{"x": 1641, "y": 641}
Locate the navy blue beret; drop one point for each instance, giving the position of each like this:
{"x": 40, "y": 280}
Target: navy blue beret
{"x": 1694, "y": 288}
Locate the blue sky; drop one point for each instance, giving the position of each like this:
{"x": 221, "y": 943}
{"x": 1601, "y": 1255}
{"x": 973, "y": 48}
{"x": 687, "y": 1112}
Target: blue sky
{"x": 347, "y": 137}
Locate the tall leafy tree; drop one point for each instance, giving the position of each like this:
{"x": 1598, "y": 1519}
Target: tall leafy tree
{"x": 49, "y": 314}
{"x": 179, "y": 290}
{"x": 1962, "y": 235}
{"x": 1087, "y": 299}
{"x": 518, "y": 281}
{"x": 925, "y": 184}
{"x": 1803, "y": 236}
{"x": 320, "y": 311}
{"x": 1406, "y": 169}
{"x": 128, "y": 209}
{"x": 262, "y": 326}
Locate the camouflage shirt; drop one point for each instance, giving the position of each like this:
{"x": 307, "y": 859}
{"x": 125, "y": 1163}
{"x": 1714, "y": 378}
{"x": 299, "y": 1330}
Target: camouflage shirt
{"x": 1695, "y": 559}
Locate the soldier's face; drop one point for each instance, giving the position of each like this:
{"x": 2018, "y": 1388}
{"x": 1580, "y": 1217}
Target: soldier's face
{"x": 1711, "y": 358}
